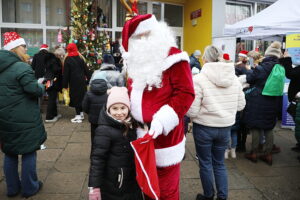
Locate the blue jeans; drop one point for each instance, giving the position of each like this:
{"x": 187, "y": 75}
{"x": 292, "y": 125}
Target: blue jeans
{"x": 29, "y": 181}
{"x": 210, "y": 145}
{"x": 233, "y": 140}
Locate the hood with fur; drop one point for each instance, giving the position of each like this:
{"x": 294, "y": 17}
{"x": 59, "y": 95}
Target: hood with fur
{"x": 219, "y": 73}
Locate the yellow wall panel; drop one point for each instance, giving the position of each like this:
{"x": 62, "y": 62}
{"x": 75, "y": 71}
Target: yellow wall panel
{"x": 173, "y": 1}
{"x": 199, "y": 36}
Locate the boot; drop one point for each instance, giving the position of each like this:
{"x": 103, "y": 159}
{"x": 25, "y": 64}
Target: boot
{"x": 267, "y": 158}
{"x": 251, "y": 156}
{"x": 226, "y": 153}
{"x": 202, "y": 197}
{"x": 232, "y": 153}
{"x": 275, "y": 149}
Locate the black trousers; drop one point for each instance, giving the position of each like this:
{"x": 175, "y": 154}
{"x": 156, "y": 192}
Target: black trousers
{"x": 78, "y": 110}
{"x": 52, "y": 106}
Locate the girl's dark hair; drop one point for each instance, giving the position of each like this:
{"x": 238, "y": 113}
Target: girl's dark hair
{"x": 132, "y": 124}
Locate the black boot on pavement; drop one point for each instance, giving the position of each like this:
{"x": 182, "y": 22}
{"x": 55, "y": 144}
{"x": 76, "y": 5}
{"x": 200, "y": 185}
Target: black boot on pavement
{"x": 202, "y": 197}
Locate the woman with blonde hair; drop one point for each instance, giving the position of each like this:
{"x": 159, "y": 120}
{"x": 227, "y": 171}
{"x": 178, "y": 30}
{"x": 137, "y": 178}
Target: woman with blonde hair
{"x": 21, "y": 131}
{"x": 219, "y": 96}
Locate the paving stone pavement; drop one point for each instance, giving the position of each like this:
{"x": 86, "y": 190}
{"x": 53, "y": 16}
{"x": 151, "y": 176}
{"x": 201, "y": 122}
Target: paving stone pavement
{"x": 63, "y": 167}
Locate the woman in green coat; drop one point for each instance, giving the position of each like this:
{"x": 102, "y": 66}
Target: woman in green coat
{"x": 21, "y": 127}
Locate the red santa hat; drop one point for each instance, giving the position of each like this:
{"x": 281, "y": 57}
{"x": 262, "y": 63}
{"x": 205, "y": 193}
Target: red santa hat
{"x": 243, "y": 53}
{"x": 12, "y": 40}
{"x": 137, "y": 25}
{"x": 44, "y": 46}
{"x": 226, "y": 56}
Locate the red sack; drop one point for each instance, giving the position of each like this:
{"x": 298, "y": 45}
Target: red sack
{"x": 145, "y": 164}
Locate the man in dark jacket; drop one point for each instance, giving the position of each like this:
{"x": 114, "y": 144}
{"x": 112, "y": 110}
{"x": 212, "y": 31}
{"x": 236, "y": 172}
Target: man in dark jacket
{"x": 293, "y": 92}
{"x": 38, "y": 61}
{"x": 21, "y": 127}
{"x": 194, "y": 60}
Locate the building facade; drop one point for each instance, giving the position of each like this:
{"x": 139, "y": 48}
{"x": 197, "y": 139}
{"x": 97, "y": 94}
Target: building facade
{"x": 195, "y": 23}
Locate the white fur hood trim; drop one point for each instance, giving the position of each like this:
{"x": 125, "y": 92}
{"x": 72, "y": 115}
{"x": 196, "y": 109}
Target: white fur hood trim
{"x": 175, "y": 58}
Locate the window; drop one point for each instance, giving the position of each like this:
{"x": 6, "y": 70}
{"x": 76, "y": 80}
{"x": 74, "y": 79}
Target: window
{"x": 32, "y": 37}
{"x": 142, "y": 8}
{"x": 121, "y": 14}
{"x": 261, "y": 6}
{"x": 21, "y": 11}
{"x": 56, "y": 12}
{"x": 157, "y": 10}
{"x": 173, "y": 15}
{"x": 237, "y": 12}
{"x": 106, "y": 7}
{"x": 52, "y": 38}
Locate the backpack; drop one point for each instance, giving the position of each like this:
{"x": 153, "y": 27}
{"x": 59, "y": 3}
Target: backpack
{"x": 275, "y": 82}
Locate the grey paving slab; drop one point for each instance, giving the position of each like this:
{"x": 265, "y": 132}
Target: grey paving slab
{"x": 64, "y": 183}
{"x": 189, "y": 188}
{"x": 56, "y": 142}
{"x": 80, "y": 136}
{"x": 189, "y": 169}
{"x": 42, "y": 196}
{"x": 75, "y": 158}
{"x": 49, "y": 154}
{"x": 237, "y": 180}
{"x": 246, "y": 194}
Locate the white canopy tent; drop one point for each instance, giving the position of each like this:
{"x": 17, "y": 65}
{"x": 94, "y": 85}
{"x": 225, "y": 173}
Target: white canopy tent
{"x": 280, "y": 18}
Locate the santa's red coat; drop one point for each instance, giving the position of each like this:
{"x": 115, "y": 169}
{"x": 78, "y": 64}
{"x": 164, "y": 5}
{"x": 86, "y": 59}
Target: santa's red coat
{"x": 168, "y": 104}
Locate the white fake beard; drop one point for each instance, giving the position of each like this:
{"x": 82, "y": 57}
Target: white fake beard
{"x": 147, "y": 55}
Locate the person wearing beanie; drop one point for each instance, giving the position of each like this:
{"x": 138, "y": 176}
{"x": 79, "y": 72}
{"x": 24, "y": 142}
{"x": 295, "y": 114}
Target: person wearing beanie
{"x": 75, "y": 77}
{"x": 94, "y": 100}
{"x": 112, "y": 155}
{"x": 38, "y": 61}
{"x": 113, "y": 76}
{"x": 194, "y": 60}
{"x": 242, "y": 66}
{"x": 22, "y": 130}
{"x": 260, "y": 114}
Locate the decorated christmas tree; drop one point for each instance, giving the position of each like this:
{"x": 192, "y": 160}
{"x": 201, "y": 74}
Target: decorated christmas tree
{"x": 86, "y": 19}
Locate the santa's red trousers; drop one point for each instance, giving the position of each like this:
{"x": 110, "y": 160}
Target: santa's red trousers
{"x": 169, "y": 182}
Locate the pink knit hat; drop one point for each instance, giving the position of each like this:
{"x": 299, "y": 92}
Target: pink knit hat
{"x": 118, "y": 95}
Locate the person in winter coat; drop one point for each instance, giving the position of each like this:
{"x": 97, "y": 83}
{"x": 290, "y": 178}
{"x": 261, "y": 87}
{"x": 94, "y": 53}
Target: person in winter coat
{"x": 260, "y": 114}
{"x": 53, "y": 79}
{"x": 113, "y": 76}
{"x": 38, "y": 61}
{"x": 293, "y": 73}
{"x": 94, "y": 100}
{"x": 21, "y": 127}
{"x": 194, "y": 60}
{"x": 75, "y": 76}
{"x": 112, "y": 171}
{"x": 219, "y": 95}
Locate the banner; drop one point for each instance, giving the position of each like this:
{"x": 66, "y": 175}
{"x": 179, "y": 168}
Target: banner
{"x": 293, "y": 47}
{"x": 287, "y": 120}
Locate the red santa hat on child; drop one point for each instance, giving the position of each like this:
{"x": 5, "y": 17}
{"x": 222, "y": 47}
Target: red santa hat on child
{"x": 12, "y": 40}
{"x": 44, "y": 46}
{"x": 137, "y": 25}
{"x": 243, "y": 53}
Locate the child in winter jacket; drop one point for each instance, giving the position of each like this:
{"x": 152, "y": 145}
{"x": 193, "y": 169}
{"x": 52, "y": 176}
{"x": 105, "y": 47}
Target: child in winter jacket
{"x": 93, "y": 102}
{"x": 112, "y": 171}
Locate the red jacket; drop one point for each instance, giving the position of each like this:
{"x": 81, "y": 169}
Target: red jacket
{"x": 169, "y": 104}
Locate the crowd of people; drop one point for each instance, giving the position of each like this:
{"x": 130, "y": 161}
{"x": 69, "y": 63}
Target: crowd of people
{"x": 165, "y": 91}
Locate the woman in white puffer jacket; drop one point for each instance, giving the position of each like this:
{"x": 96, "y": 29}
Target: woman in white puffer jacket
{"x": 219, "y": 95}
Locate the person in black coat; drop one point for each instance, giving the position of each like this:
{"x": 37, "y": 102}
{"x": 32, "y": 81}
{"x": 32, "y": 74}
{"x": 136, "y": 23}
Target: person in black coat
{"x": 38, "y": 61}
{"x": 294, "y": 88}
{"x": 260, "y": 113}
{"x": 75, "y": 77}
{"x": 53, "y": 79}
{"x": 112, "y": 171}
{"x": 93, "y": 102}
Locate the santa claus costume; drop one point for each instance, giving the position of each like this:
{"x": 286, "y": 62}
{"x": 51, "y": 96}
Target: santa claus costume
{"x": 161, "y": 92}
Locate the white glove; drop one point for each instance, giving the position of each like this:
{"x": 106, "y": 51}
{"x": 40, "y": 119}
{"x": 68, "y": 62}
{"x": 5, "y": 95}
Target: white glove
{"x": 298, "y": 95}
{"x": 156, "y": 128}
{"x": 40, "y": 80}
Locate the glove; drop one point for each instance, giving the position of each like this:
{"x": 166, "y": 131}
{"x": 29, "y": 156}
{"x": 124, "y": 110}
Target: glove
{"x": 156, "y": 128}
{"x": 94, "y": 194}
{"x": 298, "y": 95}
{"x": 66, "y": 96}
{"x": 41, "y": 80}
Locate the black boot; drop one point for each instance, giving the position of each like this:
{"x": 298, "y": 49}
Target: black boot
{"x": 202, "y": 197}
